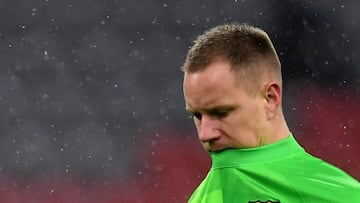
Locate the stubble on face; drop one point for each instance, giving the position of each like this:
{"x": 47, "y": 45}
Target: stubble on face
{"x": 212, "y": 91}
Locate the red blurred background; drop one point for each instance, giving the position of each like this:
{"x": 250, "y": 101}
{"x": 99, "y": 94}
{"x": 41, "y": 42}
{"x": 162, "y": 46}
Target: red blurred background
{"x": 173, "y": 166}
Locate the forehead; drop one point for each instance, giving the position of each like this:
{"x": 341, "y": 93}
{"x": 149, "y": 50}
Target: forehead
{"x": 215, "y": 85}
{"x": 217, "y": 70}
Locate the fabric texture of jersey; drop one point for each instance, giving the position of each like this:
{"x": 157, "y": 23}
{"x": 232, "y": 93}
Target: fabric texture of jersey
{"x": 280, "y": 172}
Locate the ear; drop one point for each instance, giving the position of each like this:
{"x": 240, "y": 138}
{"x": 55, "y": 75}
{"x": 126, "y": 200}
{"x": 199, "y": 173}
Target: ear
{"x": 273, "y": 97}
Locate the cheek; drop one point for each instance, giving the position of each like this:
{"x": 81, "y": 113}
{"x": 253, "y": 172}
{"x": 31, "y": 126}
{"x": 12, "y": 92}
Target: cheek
{"x": 258, "y": 117}
{"x": 248, "y": 117}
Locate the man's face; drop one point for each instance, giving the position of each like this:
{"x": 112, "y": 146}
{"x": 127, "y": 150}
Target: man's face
{"x": 225, "y": 114}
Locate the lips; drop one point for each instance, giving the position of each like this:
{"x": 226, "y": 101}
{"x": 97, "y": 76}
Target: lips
{"x": 213, "y": 147}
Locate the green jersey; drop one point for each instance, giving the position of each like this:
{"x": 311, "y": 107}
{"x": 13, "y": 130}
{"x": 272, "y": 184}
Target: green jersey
{"x": 280, "y": 172}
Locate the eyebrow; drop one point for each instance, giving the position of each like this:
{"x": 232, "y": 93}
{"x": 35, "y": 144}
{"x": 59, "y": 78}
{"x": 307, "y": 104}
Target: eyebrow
{"x": 211, "y": 109}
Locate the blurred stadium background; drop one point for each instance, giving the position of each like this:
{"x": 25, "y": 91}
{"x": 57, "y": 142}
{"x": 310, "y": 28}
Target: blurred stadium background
{"x": 91, "y": 97}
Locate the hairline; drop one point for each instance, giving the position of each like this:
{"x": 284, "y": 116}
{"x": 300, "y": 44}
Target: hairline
{"x": 249, "y": 71}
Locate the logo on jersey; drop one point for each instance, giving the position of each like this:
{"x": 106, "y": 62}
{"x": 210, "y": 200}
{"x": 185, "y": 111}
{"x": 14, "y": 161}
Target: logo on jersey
{"x": 268, "y": 201}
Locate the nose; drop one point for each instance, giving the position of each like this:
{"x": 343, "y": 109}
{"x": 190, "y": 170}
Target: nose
{"x": 208, "y": 129}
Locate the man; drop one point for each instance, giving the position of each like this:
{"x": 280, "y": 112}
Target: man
{"x": 233, "y": 89}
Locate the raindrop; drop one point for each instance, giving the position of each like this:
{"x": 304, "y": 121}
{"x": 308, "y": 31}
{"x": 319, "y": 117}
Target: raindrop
{"x": 46, "y": 57}
{"x": 33, "y": 11}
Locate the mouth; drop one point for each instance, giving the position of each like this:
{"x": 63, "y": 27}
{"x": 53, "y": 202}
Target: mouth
{"x": 211, "y": 147}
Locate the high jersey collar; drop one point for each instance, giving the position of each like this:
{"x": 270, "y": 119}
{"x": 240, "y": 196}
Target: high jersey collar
{"x": 236, "y": 157}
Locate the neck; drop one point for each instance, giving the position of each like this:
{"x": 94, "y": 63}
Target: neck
{"x": 278, "y": 131}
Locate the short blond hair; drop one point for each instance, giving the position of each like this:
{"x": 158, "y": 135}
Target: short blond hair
{"x": 243, "y": 45}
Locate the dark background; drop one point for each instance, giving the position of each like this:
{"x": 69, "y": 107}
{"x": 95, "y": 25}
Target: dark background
{"x": 91, "y": 104}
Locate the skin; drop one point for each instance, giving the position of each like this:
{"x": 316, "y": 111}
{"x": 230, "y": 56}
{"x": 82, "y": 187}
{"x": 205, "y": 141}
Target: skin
{"x": 226, "y": 115}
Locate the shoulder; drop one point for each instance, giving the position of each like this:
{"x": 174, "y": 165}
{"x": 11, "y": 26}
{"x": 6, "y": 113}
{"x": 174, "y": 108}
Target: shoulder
{"x": 317, "y": 179}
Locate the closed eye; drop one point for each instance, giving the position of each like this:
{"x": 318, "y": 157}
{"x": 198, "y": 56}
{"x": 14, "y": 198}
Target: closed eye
{"x": 220, "y": 113}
